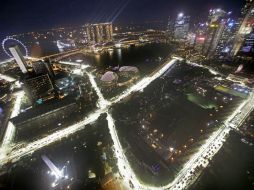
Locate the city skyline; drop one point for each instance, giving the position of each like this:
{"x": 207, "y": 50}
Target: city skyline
{"x": 47, "y": 15}
{"x": 130, "y": 95}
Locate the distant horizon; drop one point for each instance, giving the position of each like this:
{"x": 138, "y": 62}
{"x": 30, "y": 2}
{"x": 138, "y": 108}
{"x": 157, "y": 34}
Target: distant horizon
{"x": 19, "y": 17}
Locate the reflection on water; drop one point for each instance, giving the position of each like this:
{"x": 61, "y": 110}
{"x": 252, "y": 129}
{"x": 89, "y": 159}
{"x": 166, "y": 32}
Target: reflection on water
{"x": 144, "y": 57}
{"x": 36, "y": 49}
{"x": 119, "y": 54}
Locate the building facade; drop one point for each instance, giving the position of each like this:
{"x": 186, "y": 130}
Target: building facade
{"x": 246, "y": 27}
{"x": 39, "y": 87}
{"x": 181, "y": 27}
{"x": 99, "y": 33}
{"x": 16, "y": 53}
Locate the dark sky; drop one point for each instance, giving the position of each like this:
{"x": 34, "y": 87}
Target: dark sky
{"x": 30, "y": 15}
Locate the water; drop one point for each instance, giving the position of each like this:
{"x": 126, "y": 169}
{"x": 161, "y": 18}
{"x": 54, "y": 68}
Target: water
{"x": 38, "y": 48}
{"x": 145, "y": 57}
{"x": 232, "y": 168}
{"x": 82, "y": 149}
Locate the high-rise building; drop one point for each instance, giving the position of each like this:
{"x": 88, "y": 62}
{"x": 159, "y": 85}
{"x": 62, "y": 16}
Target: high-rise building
{"x": 15, "y": 51}
{"x": 43, "y": 67}
{"x": 99, "y": 33}
{"x": 246, "y": 27}
{"x": 39, "y": 88}
{"x": 216, "y": 26}
{"x": 181, "y": 27}
{"x": 38, "y": 85}
{"x": 215, "y": 15}
{"x": 170, "y": 28}
{"x": 199, "y": 43}
{"x": 227, "y": 38}
{"x": 200, "y": 31}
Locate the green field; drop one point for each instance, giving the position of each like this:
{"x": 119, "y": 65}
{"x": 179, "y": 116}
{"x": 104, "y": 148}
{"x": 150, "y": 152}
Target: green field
{"x": 201, "y": 101}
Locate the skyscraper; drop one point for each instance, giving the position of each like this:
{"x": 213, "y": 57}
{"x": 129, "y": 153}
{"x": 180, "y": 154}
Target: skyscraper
{"x": 181, "y": 27}
{"x": 39, "y": 87}
{"x": 15, "y": 51}
{"x": 246, "y": 27}
{"x": 38, "y": 84}
{"x": 170, "y": 28}
{"x": 99, "y": 33}
{"x": 216, "y": 26}
{"x": 227, "y": 38}
{"x": 43, "y": 67}
{"x": 201, "y": 29}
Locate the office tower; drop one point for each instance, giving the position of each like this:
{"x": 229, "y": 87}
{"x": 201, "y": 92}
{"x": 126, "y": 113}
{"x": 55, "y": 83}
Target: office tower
{"x": 39, "y": 67}
{"x": 15, "y": 51}
{"x": 199, "y": 43}
{"x": 37, "y": 85}
{"x": 48, "y": 65}
{"x": 109, "y": 32}
{"x": 216, "y": 26}
{"x": 170, "y": 28}
{"x": 39, "y": 88}
{"x": 227, "y": 38}
{"x": 200, "y": 31}
{"x": 215, "y": 15}
{"x": 43, "y": 67}
{"x": 181, "y": 27}
{"x": 99, "y": 33}
{"x": 246, "y": 27}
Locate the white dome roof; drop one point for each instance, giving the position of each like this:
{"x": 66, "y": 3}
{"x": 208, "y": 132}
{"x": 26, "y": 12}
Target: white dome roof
{"x": 128, "y": 69}
{"x": 109, "y": 76}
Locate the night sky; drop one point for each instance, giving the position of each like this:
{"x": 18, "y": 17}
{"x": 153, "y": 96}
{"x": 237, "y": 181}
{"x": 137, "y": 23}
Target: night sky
{"x": 30, "y": 15}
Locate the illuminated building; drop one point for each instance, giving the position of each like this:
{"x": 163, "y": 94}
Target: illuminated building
{"x": 227, "y": 38}
{"x": 181, "y": 27}
{"x": 246, "y": 27}
{"x": 15, "y": 51}
{"x": 65, "y": 44}
{"x": 199, "y": 43}
{"x": 39, "y": 88}
{"x": 191, "y": 39}
{"x": 170, "y": 28}
{"x": 200, "y": 37}
{"x": 216, "y": 26}
{"x": 35, "y": 121}
{"x": 219, "y": 34}
{"x": 247, "y": 49}
{"x": 99, "y": 33}
{"x": 43, "y": 67}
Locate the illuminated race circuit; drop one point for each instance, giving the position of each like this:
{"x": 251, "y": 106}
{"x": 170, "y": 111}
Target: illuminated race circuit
{"x": 184, "y": 178}
{"x": 103, "y": 105}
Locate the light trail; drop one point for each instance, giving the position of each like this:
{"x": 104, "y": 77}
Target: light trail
{"x": 122, "y": 162}
{"x": 7, "y": 78}
{"x": 102, "y": 103}
{"x": 15, "y": 155}
{"x": 184, "y": 178}
{"x": 50, "y": 139}
{"x": 144, "y": 82}
{"x": 10, "y": 130}
{"x": 69, "y": 63}
{"x": 208, "y": 150}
